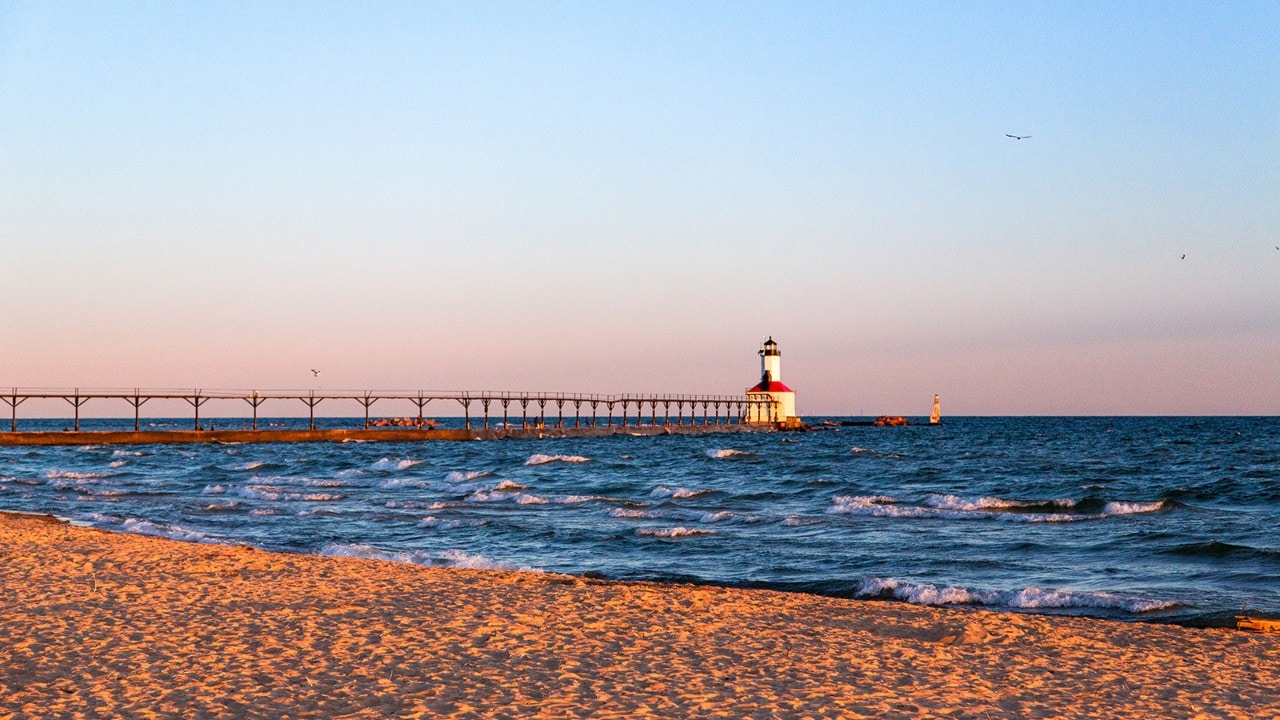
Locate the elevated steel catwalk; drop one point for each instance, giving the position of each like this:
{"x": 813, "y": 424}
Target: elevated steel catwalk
{"x": 732, "y": 409}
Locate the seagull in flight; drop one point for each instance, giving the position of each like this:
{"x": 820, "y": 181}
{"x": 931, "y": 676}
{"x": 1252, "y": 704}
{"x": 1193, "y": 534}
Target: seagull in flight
{"x": 315, "y": 372}
{"x": 1017, "y": 137}
{"x": 1184, "y": 256}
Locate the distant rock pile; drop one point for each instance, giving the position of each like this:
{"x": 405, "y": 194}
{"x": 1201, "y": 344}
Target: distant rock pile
{"x": 412, "y": 422}
{"x": 889, "y": 421}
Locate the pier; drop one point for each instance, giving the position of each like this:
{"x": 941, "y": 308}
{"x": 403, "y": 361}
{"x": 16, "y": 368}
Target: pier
{"x": 486, "y": 415}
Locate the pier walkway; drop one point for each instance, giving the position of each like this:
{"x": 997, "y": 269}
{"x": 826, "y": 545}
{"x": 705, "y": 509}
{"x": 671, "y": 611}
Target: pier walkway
{"x": 539, "y": 415}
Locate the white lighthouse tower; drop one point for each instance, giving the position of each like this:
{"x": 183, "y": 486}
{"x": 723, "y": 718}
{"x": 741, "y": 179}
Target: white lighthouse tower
{"x": 784, "y": 407}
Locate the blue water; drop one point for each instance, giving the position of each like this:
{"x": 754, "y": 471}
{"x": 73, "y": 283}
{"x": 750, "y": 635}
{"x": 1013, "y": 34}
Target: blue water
{"x": 1163, "y": 519}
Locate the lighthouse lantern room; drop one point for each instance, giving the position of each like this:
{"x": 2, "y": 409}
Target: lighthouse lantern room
{"x": 771, "y": 384}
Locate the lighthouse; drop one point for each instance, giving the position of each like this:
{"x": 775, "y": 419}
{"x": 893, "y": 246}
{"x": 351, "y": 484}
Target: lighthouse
{"x": 771, "y": 385}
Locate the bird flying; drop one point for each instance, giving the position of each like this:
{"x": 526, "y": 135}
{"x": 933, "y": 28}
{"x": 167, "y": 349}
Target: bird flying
{"x": 1184, "y": 257}
{"x": 1017, "y": 137}
{"x": 315, "y": 372}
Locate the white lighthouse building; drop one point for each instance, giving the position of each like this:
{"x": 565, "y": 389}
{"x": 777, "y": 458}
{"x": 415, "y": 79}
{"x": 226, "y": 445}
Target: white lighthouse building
{"x": 784, "y": 407}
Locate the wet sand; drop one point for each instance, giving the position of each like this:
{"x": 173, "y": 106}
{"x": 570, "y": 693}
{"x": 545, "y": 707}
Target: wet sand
{"x": 99, "y": 624}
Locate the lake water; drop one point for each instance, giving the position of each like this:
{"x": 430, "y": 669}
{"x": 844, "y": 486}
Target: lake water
{"x": 1164, "y": 519}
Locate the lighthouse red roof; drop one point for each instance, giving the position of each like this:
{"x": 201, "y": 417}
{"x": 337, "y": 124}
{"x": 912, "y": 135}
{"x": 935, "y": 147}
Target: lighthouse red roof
{"x": 765, "y": 386}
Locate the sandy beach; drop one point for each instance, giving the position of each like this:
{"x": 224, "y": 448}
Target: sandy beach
{"x": 98, "y": 624}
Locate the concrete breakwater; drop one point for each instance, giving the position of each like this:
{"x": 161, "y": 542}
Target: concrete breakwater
{"x": 147, "y": 437}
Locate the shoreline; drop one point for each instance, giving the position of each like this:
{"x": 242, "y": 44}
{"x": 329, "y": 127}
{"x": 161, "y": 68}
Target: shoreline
{"x": 1225, "y": 620}
{"x": 103, "y": 623}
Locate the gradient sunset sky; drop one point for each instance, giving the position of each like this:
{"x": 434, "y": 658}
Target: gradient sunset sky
{"x": 628, "y": 197}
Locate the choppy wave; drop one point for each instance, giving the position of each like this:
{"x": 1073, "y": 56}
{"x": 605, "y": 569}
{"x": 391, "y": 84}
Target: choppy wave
{"x": 457, "y": 477}
{"x": 1224, "y": 550}
{"x": 396, "y": 483}
{"x": 1028, "y": 598}
{"x": 728, "y": 453}
{"x": 154, "y": 529}
{"x": 951, "y": 507}
{"x": 71, "y": 475}
{"x": 451, "y": 523}
{"x": 448, "y": 558}
{"x": 578, "y": 499}
{"x": 663, "y": 491}
{"x": 276, "y": 494}
{"x": 386, "y": 464}
{"x": 540, "y": 459}
{"x": 728, "y": 516}
{"x": 799, "y": 521}
{"x": 501, "y": 495}
{"x": 673, "y": 533}
{"x": 420, "y": 505}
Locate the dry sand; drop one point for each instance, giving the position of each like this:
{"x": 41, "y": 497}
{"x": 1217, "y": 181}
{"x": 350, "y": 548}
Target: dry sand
{"x": 98, "y": 624}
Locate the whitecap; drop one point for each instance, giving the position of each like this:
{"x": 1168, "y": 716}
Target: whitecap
{"x": 924, "y": 593}
{"x": 673, "y": 533}
{"x": 727, "y": 453}
{"x": 630, "y": 513}
{"x": 578, "y": 499}
{"x": 449, "y": 558}
{"x": 800, "y": 521}
{"x": 726, "y": 516}
{"x": 1131, "y": 508}
{"x": 267, "y": 492}
{"x": 418, "y": 505}
{"x": 393, "y": 483}
{"x": 71, "y": 475}
{"x": 953, "y": 502}
{"x": 394, "y": 464}
{"x": 1028, "y": 598}
{"x": 951, "y": 507}
{"x": 456, "y": 477}
{"x": 663, "y": 491}
{"x": 540, "y": 459}
{"x": 432, "y": 521}
{"x": 487, "y": 496}
{"x": 323, "y": 483}
{"x": 172, "y": 532}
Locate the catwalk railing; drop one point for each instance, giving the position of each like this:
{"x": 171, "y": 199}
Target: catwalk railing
{"x": 733, "y": 409}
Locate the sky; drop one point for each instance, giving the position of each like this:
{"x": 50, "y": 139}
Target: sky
{"x": 629, "y": 197}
